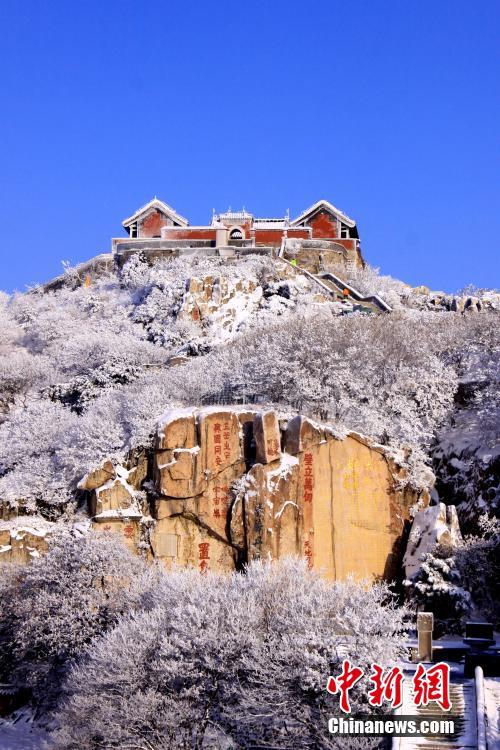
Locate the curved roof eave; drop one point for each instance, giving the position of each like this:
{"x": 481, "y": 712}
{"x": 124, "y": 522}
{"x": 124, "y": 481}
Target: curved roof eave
{"x": 326, "y": 204}
{"x": 160, "y": 205}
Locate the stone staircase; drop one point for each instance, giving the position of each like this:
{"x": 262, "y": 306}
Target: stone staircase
{"x": 334, "y": 286}
{"x": 370, "y": 301}
{"x": 463, "y": 712}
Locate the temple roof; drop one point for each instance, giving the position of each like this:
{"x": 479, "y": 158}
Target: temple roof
{"x": 242, "y": 215}
{"x": 164, "y": 208}
{"x": 329, "y": 207}
{"x": 230, "y": 215}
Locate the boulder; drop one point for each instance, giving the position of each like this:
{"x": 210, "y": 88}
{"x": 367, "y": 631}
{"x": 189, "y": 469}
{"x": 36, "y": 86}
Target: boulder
{"x": 177, "y": 429}
{"x": 432, "y": 526}
{"x": 220, "y": 438}
{"x": 231, "y": 485}
{"x": 24, "y": 539}
{"x": 267, "y": 437}
{"x": 353, "y": 515}
{"x": 272, "y": 523}
{"x": 179, "y": 472}
{"x": 28, "y": 543}
{"x": 138, "y": 470}
{"x": 128, "y": 529}
{"x": 183, "y": 540}
{"x": 97, "y": 478}
{"x": 422, "y": 289}
{"x": 457, "y": 304}
{"x": 301, "y": 433}
{"x": 472, "y": 304}
{"x": 112, "y": 496}
{"x": 210, "y": 442}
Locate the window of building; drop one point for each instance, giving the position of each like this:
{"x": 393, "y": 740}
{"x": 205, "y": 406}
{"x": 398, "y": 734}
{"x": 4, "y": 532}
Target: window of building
{"x": 133, "y": 229}
{"x": 344, "y": 231}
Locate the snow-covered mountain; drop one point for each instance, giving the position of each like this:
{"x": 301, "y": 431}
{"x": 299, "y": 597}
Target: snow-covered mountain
{"x": 90, "y": 362}
{"x": 218, "y": 413}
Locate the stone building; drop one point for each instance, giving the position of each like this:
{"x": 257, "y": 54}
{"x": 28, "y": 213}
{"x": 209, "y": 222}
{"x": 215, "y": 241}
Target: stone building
{"x": 321, "y": 232}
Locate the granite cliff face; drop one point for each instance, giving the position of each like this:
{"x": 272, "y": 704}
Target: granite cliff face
{"x": 230, "y": 485}
{"x": 227, "y": 485}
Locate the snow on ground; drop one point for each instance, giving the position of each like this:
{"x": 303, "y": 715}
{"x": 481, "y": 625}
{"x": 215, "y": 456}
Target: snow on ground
{"x": 19, "y": 732}
{"x": 492, "y": 702}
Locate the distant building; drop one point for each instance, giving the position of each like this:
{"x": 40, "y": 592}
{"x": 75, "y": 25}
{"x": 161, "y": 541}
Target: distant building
{"x": 321, "y": 236}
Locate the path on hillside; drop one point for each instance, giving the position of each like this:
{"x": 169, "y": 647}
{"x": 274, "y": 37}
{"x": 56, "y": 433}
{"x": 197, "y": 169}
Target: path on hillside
{"x": 334, "y": 286}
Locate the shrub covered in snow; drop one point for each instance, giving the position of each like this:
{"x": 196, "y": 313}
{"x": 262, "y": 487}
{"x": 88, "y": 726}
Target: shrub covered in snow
{"x": 439, "y": 588}
{"x": 460, "y": 584}
{"x": 380, "y": 375}
{"x": 478, "y": 561}
{"x": 368, "y": 280}
{"x": 51, "y": 609}
{"x": 230, "y": 661}
{"x": 466, "y": 452}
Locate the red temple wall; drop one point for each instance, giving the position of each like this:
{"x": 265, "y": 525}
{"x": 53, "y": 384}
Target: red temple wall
{"x": 193, "y": 233}
{"x": 324, "y": 226}
{"x": 273, "y": 236}
{"x": 152, "y": 224}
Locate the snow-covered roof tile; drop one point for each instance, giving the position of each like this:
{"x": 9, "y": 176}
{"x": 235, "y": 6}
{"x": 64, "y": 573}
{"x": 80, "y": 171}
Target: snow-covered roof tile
{"x": 330, "y": 207}
{"x": 161, "y": 206}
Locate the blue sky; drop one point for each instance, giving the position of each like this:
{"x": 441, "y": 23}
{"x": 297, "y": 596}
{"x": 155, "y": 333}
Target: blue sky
{"x": 388, "y": 108}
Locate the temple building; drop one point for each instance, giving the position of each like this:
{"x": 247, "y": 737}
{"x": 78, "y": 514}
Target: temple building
{"x": 322, "y": 233}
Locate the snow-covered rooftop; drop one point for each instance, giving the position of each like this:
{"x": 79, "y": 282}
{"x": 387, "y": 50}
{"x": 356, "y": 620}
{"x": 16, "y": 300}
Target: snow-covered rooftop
{"x": 330, "y": 207}
{"x": 230, "y": 215}
{"x": 161, "y": 206}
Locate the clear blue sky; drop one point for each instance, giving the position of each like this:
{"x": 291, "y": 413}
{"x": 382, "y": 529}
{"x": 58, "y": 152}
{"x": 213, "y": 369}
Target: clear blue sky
{"x": 388, "y": 108}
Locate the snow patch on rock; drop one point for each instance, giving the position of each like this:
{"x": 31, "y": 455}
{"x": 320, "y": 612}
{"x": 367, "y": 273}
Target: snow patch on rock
{"x": 432, "y": 526}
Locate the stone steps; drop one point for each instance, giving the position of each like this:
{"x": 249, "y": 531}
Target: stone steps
{"x": 463, "y": 712}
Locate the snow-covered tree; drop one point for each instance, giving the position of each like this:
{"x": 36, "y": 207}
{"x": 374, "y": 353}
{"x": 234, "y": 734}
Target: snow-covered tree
{"x": 439, "y": 588}
{"x": 230, "y": 661}
{"x": 466, "y": 450}
{"x": 51, "y": 609}
{"x": 478, "y": 561}
{"x": 368, "y": 280}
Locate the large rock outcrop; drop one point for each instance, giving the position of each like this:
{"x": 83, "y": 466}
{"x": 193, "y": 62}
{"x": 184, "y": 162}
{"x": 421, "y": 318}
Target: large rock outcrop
{"x": 235, "y": 485}
{"x": 219, "y": 303}
{"x": 227, "y": 485}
